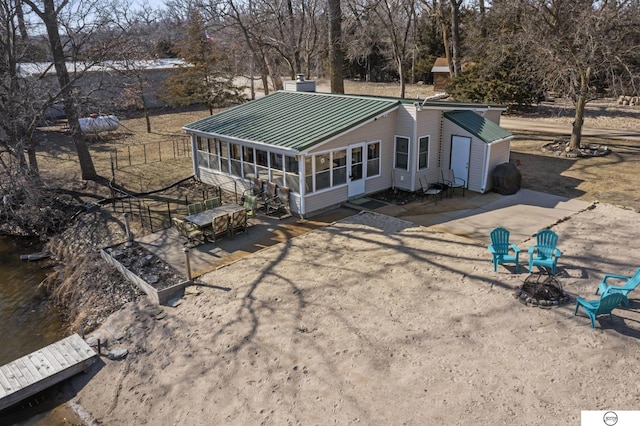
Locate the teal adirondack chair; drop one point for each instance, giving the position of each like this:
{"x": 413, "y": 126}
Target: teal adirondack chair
{"x": 631, "y": 284}
{"x": 603, "y": 306}
{"x": 500, "y": 248}
{"x": 545, "y": 253}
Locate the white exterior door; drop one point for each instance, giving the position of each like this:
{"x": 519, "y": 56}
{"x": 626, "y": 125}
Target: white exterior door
{"x": 460, "y": 152}
{"x": 355, "y": 168}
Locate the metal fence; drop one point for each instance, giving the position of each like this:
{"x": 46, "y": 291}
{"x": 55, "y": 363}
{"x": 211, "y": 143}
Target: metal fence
{"x": 151, "y": 152}
{"x": 153, "y": 212}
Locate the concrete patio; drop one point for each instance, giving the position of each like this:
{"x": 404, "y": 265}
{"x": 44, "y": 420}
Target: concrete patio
{"x": 264, "y": 231}
{"x": 472, "y": 216}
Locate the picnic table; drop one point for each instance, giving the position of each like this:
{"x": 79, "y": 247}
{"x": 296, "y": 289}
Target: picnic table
{"x": 205, "y": 217}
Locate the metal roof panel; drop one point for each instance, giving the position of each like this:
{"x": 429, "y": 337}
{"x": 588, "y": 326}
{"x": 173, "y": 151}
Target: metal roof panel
{"x": 486, "y": 130}
{"x": 293, "y": 120}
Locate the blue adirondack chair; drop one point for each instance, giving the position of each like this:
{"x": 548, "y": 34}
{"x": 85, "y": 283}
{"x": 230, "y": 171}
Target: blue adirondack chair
{"x": 545, "y": 253}
{"x": 603, "y": 306}
{"x": 500, "y": 248}
{"x": 631, "y": 284}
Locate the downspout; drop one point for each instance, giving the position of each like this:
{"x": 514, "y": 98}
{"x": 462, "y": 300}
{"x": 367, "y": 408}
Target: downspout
{"x": 414, "y": 163}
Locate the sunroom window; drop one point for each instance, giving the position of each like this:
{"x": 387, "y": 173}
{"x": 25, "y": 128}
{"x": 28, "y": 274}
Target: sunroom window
{"x": 277, "y": 173}
{"x": 247, "y": 162}
{"x": 308, "y": 175}
{"x": 224, "y": 157}
{"x": 262, "y": 164}
{"x": 323, "y": 171}
{"x": 212, "y": 147}
{"x": 235, "y": 159}
{"x": 292, "y": 173}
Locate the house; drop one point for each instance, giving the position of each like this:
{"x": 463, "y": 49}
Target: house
{"x": 329, "y": 148}
{"x": 441, "y": 73}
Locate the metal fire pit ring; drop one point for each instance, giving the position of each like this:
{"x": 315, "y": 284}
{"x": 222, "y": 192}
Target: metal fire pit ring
{"x": 542, "y": 290}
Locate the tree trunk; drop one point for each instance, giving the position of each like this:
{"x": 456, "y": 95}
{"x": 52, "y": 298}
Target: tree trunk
{"x": 33, "y": 160}
{"x": 455, "y": 37}
{"x": 143, "y": 99}
{"x": 50, "y": 20}
{"x": 293, "y": 42}
{"x": 401, "y": 72}
{"x": 336, "y": 53}
{"x": 576, "y": 131}
{"x": 147, "y": 119}
{"x": 445, "y": 33}
{"x": 18, "y": 132}
{"x": 483, "y": 18}
{"x": 581, "y": 102}
{"x": 21, "y": 22}
{"x": 265, "y": 83}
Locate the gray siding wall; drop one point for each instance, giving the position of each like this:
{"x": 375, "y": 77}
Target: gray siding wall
{"x": 406, "y": 127}
{"x": 370, "y": 132}
{"x": 429, "y": 123}
{"x": 381, "y": 130}
{"x": 323, "y": 200}
{"x": 499, "y": 153}
{"x": 448, "y": 130}
{"x": 227, "y": 183}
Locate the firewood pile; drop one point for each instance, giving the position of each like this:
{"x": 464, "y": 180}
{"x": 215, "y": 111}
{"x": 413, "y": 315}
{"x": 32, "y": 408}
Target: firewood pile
{"x": 629, "y": 100}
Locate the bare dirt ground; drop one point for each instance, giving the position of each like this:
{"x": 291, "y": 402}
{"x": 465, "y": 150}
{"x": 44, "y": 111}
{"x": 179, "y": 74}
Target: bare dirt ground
{"x": 373, "y": 320}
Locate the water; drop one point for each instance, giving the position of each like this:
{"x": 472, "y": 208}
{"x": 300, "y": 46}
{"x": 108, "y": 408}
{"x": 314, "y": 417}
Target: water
{"x": 27, "y": 323}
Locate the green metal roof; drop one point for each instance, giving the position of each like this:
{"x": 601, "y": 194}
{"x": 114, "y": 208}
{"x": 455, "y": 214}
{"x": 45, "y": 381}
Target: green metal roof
{"x": 293, "y": 120}
{"x": 486, "y": 130}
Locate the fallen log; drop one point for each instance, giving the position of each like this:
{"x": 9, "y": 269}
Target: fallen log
{"x": 35, "y": 256}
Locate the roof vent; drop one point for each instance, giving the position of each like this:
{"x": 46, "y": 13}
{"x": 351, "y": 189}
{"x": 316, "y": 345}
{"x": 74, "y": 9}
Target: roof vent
{"x": 300, "y": 84}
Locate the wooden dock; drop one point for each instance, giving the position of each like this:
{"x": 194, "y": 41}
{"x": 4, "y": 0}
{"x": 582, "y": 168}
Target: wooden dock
{"x": 43, "y": 368}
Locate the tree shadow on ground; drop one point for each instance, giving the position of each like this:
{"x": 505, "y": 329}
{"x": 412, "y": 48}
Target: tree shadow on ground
{"x": 545, "y": 174}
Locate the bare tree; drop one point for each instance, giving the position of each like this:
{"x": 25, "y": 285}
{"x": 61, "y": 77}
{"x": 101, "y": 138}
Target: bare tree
{"x": 21, "y": 101}
{"x": 397, "y": 18}
{"x": 285, "y": 29}
{"x": 202, "y": 78}
{"x": 246, "y": 19}
{"x": 585, "y": 48}
{"x": 456, "y": 54}
{"x": 137, "y": 29}
{"x": 49, "y": 13}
